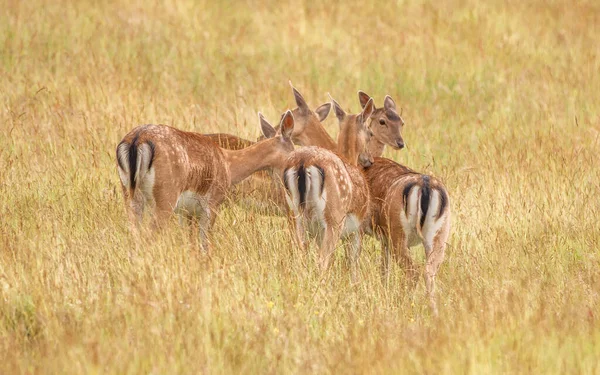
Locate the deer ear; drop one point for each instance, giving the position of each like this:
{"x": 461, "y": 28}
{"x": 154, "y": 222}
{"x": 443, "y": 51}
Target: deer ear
{"x": 300, "y": 102}
{"x": 368, "y": 110}
{"x": 266, "y": 128}
{"x": 388, "y": 103}
{"x": 363, "y": 97}
{"x": 323, "y": 111}
{"x": 339, "y": 112}
{"x": 287, "y": 125}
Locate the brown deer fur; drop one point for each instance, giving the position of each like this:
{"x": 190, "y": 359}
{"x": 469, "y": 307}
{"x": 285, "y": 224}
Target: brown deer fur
{"x": 229, "y": 142}
{"x": 264, "y": 190}
{"x": 172, "y": 170}
{"x": 330, "y": 194}
{"x": 408, "y": 208}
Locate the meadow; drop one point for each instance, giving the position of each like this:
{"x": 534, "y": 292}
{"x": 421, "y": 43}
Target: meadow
{"x": 501, "y": 101}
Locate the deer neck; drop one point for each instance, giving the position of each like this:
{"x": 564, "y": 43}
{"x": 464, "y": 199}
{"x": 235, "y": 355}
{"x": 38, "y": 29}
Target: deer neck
{"x": 242, "y": 163}
{"x": 319, "y": 137}
{"x": 376, "y": 147}
{"x": 346, "y": 146}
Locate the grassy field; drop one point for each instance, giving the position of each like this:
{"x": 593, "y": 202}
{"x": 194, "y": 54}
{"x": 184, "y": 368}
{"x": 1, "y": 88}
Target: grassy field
{"x": 501, "y": 100}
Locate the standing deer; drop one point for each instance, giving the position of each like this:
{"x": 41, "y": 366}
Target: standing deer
{"x": 328, "y": 193}
{"x": 409, "y": 208}
{"x": 184, "y": 172}
{"x": 264, "y": 190}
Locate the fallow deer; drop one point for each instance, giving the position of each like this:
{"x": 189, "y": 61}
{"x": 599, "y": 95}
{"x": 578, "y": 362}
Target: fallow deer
{"x": 330, "y": 194}
{"x": 408, "y": 208}
{"x": 264, "y": 190}
{"x": 386, "y": 125}
{"x": 184, "y": 172}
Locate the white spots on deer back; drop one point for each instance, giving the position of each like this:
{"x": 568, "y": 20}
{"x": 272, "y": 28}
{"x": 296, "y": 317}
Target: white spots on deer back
{"x": 181, "y": 154}
{"x": 342, "y": 180}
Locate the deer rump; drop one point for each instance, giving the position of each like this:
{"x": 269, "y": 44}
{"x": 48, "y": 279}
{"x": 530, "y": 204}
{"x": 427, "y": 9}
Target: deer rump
{"x": 305, "y": 186}
{"x": 424, "y": 203}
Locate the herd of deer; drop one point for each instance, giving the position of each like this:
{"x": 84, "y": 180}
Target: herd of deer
{"x": 331, "y": 190}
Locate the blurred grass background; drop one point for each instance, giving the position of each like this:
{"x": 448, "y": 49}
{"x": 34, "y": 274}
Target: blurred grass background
{"x": 500, "y": 100}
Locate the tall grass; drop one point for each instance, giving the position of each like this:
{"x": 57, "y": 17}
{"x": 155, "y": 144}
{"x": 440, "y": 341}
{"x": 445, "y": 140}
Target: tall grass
{"x": 501, "y": 102}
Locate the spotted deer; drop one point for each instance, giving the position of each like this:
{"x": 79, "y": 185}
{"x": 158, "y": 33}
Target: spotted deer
{"x": 409, "y": 208}
{"x": 386, "y": 125}
{"x": 329, "y": 194}
{"x": 174, "y": 171}
{"x": 264, "y": 190}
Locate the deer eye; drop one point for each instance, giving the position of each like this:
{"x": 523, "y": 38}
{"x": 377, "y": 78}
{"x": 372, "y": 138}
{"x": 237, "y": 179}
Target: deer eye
{"x": 381, "y": 121}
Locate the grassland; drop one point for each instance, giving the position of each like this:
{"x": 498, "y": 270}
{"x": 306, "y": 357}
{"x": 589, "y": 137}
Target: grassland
{"x": 501, "y": 101}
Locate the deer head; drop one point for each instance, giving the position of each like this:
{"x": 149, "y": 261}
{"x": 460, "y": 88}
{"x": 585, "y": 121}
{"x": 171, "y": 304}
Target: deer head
{"x": 386, "y": 123}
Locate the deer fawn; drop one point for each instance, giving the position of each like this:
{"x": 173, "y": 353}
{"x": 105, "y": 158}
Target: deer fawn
{"x": 329, "y": 193}
{"x": 264, "y": 190}
{"x": 409, "y": 208}
{"x": 183, "y": 172}
{"x": 386, "y": 125}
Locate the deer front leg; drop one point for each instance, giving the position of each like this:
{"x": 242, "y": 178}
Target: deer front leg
{"x": 205, "y": 220}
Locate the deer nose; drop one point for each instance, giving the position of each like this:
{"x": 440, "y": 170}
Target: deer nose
{"x": 400, "y": 143}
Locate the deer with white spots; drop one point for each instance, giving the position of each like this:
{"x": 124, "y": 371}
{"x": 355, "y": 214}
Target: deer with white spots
{"x": 409, "y": 208}
{"x": 329, "y": 194}
{"x": 174, "y": 171}
{"x": 264, "y": 190}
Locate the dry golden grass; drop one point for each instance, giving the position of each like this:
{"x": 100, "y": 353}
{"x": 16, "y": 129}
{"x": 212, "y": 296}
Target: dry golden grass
{"x": 501, "y": 101}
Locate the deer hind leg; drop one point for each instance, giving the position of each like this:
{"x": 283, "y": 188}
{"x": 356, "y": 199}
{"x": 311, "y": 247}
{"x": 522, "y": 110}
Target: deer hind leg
{"x": 164, "y": 204}
{"x": 435, "y": 253}
{"x": 352, "y": 245}
{"x": 206, "y": 223}
{"x": 135, "y": 209}
{"x": 331, "y": 236}
{"x": 296, "y": 225}
{"x": 402, "y": 256}
{"x": 385, "y": 259}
